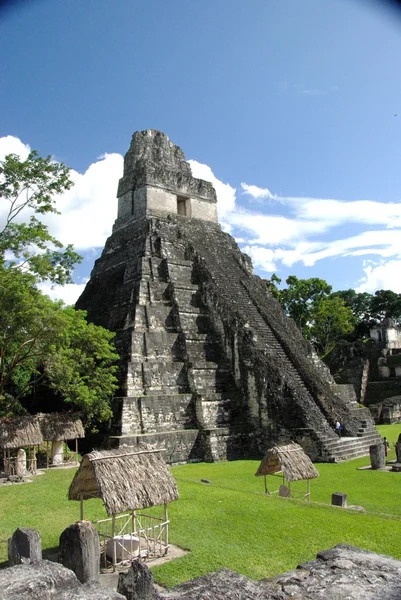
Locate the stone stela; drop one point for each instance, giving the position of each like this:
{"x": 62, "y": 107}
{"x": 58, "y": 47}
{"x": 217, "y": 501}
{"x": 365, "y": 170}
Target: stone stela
{"x": 211, "y": 368}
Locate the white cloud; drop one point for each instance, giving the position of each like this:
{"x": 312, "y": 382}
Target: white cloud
{"x": 385, "y": 276}
{"x": 225, "y": 192}
{"x": 313, "y": 92}
{"x": 299, "y": 233}
{"x": 262, "y": 258}
{"x": 88, "y": 209}
{"x": 337, "y": 212}
{"x": 381, "y": 242}
{"x": 291, "y": 230}
{"x": 256, "y": 192}
{"x": 68, "y": 293}
{"x": 12, "y": 145}
{"x": 271, "y": 230}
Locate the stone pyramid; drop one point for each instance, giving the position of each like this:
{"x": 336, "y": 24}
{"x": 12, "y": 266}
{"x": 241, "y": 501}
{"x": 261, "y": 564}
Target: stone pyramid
{"x": 210, "y": 368}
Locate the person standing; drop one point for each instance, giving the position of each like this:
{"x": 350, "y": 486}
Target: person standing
{"x": 386, "y": 445}
{"x": 338, "y": 428}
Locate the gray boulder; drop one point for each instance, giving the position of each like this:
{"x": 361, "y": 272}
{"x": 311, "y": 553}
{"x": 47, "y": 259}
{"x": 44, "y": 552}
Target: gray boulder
{"x": 46, "y": 580}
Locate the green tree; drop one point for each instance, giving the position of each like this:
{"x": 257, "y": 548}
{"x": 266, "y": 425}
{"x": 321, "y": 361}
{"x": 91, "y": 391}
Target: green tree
{"x": 331, "y": 320}
{"x": 41, "y": 340}
{"x": 272, "y": 286}
{"x": 385, "y": 304}
{"x": 32, "y": 186}
{"x": 360, "y": 304}
{"x": 44, "y": 340}
{"x": 300, "y": 299}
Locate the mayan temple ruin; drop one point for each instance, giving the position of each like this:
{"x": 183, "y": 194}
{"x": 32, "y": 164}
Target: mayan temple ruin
{"x": 211, "y": 368}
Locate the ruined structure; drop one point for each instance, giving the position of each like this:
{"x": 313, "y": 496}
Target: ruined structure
{"x": 210, "y": 368}
{"x": 373, "y": 367}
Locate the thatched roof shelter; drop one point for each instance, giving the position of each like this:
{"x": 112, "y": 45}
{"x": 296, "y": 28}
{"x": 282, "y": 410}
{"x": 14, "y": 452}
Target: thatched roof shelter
{"x": 19, "y": 431}
{"x": 125, "y": 479}
{"x": 61, "y": 426}
{"x": 290, "y": 460}
{"x": 33, "y": 430}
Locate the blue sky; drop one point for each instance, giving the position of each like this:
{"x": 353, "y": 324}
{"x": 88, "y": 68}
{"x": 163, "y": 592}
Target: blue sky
{"x": 287, "y": 106}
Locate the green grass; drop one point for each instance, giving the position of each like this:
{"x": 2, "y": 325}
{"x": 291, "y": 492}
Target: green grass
{"x": 231, "y": 522}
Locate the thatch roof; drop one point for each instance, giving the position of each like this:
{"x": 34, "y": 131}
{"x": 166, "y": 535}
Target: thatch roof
{"x": 125, "y": 479}
{"x": 32, "y": 430}
{"x": 19, "y": 431}
{"x": 291, "y": 460}
{"x": 61, "y": 426}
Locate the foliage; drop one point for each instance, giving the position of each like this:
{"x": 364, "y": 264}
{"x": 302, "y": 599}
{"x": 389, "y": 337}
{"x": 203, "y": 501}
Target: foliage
{"x": 82, "y": 367}
{"x": 385, "y": 304}
{"x": 41, "y": 340}
{"x": 301, "y": 298}
{"x": 321, "y": 316}
{"x": 324, "y": 316}
{"x": 44, "y": 339}
{"x": 331, "y": 320}
{"x": 31, "y": 187}
{"x": 273, "y": 534}
{"x": 360, "y": 304}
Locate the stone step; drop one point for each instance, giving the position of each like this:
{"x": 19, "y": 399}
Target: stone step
{"x": 194, "y": 323}
{"x": 201, "y": 350}
{"x": 172, "y": 251}
{"x": 179, "y": 446}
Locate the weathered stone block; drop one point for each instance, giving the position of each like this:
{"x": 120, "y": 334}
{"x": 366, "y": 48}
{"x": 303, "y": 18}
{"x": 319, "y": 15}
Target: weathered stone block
{"x": 80, "y": 550}
{"x": 377, "y": 456}
{"x": 25, "y": 546}
{"x": 137, "y": 583}
{"x": 339, "y": 499}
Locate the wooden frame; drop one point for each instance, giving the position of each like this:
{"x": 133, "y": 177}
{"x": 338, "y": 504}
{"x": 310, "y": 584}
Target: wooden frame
{"x": 287, "y": 484}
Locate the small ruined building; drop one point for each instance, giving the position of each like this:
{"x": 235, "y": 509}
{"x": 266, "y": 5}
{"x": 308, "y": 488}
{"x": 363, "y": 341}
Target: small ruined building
{"x": 210, "y": 368}
{"x": 291, "y": 464}
{"x": 128, "y": 482}
{"x": 374, "y": 370}
{"x": 32, "y": 431}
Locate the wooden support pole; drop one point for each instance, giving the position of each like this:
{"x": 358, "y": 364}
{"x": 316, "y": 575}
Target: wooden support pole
{"x": 47, "y": 455}
{"x": 165, "y": 529}
{"x": 113, "y": 535}
{"x": 76, "y": 450}
{"x": 81, "y": 507}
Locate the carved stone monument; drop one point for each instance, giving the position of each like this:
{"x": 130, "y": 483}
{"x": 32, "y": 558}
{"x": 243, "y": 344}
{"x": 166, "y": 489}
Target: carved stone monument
{"x": 79, "y": 550}
{"x": 210, "y": 367}
{"x": 25, "y": 546}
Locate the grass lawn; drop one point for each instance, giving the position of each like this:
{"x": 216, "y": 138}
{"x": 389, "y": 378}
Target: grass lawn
{"x": 231, "y": 522}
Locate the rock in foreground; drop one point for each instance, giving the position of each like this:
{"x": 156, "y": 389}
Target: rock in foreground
{"x": 46, "y": 580}
{"x": 341, "y": 573}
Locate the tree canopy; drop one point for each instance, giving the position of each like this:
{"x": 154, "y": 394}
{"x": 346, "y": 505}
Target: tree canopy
{"x": 325, "y": 316}
{"x": 28, "y": 190}
{"x": 42, "y": 340}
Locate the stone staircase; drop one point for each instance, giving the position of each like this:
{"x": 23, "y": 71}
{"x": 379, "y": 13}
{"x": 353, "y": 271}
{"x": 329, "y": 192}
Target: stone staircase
{"x": 230, "y": 279}
{"x": 210, "y": 378}
{"x": 181, "y": 392}
{"x": 177, "y": 380}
